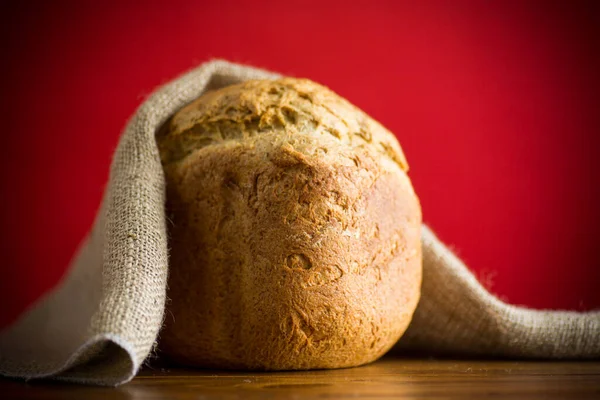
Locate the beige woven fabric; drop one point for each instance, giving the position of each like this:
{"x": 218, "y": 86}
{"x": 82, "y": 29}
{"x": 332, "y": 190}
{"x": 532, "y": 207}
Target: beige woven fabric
{"x": 103, "y": 319}
{"x": 456, "y": 315}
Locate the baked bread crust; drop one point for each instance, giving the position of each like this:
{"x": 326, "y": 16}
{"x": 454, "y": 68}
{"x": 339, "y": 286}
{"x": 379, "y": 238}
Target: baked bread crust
{"x": 295, "y": 234}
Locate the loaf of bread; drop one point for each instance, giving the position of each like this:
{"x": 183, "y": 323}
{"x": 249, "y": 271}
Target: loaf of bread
{"x": 294, "y": 231}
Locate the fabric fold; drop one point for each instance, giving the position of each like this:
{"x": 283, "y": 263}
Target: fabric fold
{"x": 457, "y": 315}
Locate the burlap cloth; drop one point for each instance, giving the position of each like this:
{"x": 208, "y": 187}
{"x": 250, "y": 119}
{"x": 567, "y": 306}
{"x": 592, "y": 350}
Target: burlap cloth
{"x": 103, "y": 320}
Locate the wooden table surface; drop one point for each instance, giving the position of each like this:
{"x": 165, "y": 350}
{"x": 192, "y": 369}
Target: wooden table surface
{"x": 392, "y": 377}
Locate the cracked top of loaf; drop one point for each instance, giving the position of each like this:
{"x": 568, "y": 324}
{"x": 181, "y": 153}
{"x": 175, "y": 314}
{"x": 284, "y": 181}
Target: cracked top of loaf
{"x": 287, "y": 106}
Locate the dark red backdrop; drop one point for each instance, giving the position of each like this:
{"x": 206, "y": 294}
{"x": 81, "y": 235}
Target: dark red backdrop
{"x": 495, "y": 103}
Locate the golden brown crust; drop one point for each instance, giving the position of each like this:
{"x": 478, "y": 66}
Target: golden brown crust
{"x": 292, "y": 247}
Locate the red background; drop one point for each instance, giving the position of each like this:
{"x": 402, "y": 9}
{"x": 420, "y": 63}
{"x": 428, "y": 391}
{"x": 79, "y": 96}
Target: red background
{"x": 496, "y": 104}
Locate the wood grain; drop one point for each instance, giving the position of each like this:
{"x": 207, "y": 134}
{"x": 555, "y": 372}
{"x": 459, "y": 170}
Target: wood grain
{"x": 390, "y": 378}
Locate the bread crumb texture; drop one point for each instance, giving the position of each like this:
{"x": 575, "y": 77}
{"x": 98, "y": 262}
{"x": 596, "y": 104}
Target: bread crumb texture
{"x": 294, "y": 234}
